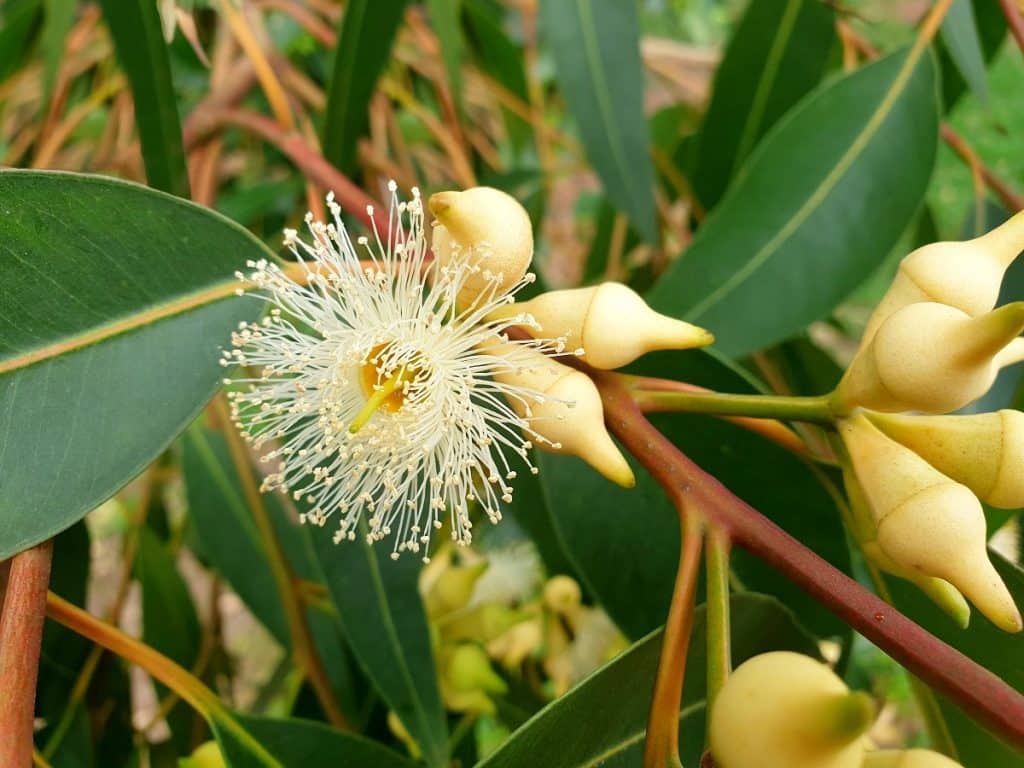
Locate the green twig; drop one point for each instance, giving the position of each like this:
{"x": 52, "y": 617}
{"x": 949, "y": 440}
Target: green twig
{"x": 811, "y": 409}
{"x": 719, "y": 648}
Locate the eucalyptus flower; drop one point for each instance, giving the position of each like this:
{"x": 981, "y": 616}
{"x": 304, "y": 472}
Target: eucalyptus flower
{"x": 371, "y": 392}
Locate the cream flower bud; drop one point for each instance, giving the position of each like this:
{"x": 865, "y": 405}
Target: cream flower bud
{"x": 908, "y": 758}
{"x": 487, "y": 229}
{"x": 965, "y": 275}
{"x": 926, "y": 522}
{"x": 984, "y": 451}
{"x": 785, "y": 710}
{"x": 610, "y": 322}
{"x": 567, "y": 411}
{"x": 452, "y": 589}
{"x": 930, "y": 357}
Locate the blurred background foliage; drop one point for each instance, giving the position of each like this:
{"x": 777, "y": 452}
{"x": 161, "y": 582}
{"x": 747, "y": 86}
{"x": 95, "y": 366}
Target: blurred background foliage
{"x": 677, "y": 145}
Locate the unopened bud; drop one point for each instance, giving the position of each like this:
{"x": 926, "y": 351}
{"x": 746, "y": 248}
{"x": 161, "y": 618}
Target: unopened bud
{"x": 520, "y": 642}
{"x": 908, "y": 758}
{"x": 562, "y": 594}
{"x": 965, "y": 275}
{"x": 487, "y": 231}
{"x": 610, "y": 322}
{"x": 983, "y": 451}
{"x": 566, "y": 411}
{"x": 452, "y": 589}
{"x": 929, "y": 357}
{"x": 785, "y": 710}
{"x": 206, "y": 755}
{"x": 926, "y": 522}
{"x": 467, "y": 680}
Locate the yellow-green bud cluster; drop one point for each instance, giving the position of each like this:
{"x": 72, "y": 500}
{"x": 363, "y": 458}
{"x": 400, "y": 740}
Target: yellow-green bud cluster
{"x": 606, "y": 326}
{"x": 934, "y": 344}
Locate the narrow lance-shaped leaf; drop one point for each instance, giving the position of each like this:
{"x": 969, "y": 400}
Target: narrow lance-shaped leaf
{"x": 597, "y": 58}
{"x": 138, "y": 39}
{"x": 117, "y": 299}
{"x": 777, "y": 54}
{"x": 960, "y": 36}
{"x": 381, "y": 613}
{"x": 815, "y": 209}
{"x": 366, "y": 33}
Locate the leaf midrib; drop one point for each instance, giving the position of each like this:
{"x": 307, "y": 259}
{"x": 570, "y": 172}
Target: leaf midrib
{"x": 820, "y": 193}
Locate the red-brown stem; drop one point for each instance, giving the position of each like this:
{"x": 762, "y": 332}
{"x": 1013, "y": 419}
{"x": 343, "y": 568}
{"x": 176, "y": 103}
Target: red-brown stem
{"x": 1014, "y": 20}
{"x": 350, "y": 197}
{"x": 977, "y": 691}
{"x": 21, "y": 633}
{"x": 1010, "y": 198}
{"x": 661, "y": 746}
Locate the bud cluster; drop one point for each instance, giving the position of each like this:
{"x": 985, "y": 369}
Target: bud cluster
{"x": 606, "y": 326}
{"x": 916, "y": 475}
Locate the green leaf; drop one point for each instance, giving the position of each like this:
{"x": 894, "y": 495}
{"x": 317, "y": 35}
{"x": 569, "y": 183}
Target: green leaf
{"x": 444, "y": 18}
{"x": 259, "y": 742}
{"x": 17, "y": 23}
{"x": 381, "y": 613}
{"x": 595, "y": 44}
{"x": 367, "y": 30}
{"x": 994, "y": 649}
{"x": 60, "y": 15}
{"x": 960, "y": 37}
{"x": 603, "y": 720}
{"x": 816, "y": 208}
{"x": 586, "y": 507}
{"x": 169, "y": 620}
{"x": 138, "y": 39}
{"x": 990, "y": 26}
{"x": 109, "y": 337}
{"x": 501, "y": 58}
{"x": 219, "y": 512}
{"x": 778, "y": 53}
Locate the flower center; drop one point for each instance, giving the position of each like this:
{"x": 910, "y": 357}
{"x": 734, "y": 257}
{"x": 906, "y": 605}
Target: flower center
{"x": 388, "y": 394}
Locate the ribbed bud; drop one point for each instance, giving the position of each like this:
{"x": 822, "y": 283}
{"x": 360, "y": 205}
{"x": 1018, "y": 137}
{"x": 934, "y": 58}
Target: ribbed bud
{"x": 965, "y": 275}
{"x": 487, "y": 229}
{"x": 567, "y": 411}
{"x": 926, "y": 522}
{"x": 984, "y": 451}
{"x": 929, "y": 357}
{"x": 785, "y": 710}
{"x": 908, "y": 758}
{"x": 610, "y": 322}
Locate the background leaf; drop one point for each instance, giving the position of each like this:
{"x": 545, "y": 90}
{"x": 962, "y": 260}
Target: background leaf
{"x": 814, "y": 211}
{"x": 444, "y": 17}
{"x": 645, "y": 546}
{"x": 602, "y": 721}
{"x": 138, "y": 39}
{"x": 104, "y": 356}
{"x": 597, "y": 57}
{"x": 777, "y": 54}
{"x": 259, "y": 742}
{"x": 960, "y": 36}
{"x": 379, "y": 606}
{"x": 365, "y": 37}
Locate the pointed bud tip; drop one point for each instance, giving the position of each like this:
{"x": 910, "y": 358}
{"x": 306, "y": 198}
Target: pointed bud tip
{"x": 440, "y": 202}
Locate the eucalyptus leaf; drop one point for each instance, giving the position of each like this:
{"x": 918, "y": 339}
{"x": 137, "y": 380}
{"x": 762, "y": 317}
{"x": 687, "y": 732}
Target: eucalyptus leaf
{"x": 247, "y": 741}
{"x": 597, "y": 57}
{"x": 603, "y": 720}
{"x": 112, "y": 316}
{"x": 778, "y": 53}
{"x": 138, "y": 39}
{"x": 378, "y": 603}
{"x": 814, "y": 211}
